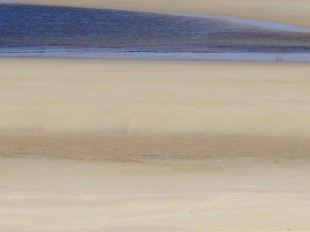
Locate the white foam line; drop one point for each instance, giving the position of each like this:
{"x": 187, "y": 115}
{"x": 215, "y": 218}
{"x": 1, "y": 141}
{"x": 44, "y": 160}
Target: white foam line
{"x": 259, "y": 23}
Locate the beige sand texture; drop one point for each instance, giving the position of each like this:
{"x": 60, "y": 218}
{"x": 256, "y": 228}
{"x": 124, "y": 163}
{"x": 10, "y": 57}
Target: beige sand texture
{"x": 132, "y": 98}
{"x": 295, "y": 12}
{"x": 63, "y": 195}
{"x": 98, "y": 145}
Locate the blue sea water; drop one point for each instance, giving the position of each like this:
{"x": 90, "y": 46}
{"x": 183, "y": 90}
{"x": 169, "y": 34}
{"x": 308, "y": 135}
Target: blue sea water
{"x": 50, "y": 31}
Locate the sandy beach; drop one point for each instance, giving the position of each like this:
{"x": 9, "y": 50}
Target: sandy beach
{"x": 99, "y": 145}
{"x": 119, "y": 145}
{"x": 284, "y": 11}
{"x": 251, "y": 194}
{"x": 130, "y": 98}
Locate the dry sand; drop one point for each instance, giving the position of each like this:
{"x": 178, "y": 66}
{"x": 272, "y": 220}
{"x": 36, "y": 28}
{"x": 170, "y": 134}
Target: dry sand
{"x": 294, "y": 12}
{"x": 254, "y": 194}
{"x": 97, "y": 145}
{"x": 130, "y": 98}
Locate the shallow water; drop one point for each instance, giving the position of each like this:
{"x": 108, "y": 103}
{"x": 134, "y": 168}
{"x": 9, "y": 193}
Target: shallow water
{"x": 49, "y": 31}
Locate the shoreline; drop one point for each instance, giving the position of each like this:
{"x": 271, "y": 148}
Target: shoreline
{"x": 158, "y": 56}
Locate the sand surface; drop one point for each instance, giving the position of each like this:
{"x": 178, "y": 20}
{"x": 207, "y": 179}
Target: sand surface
{"x": 264, "y": 194}
{"x": 98, "y": 145}
{"x": 295, "y": 12}
{"x": 130, "y": 98}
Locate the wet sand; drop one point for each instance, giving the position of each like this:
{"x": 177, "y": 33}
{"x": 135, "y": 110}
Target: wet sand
{"x": 126, "y": 34}
{"x": 283, "y": 11}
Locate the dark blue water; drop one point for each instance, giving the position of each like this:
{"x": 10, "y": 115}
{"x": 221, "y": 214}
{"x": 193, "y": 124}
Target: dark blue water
{"x": 49, "y": 28}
